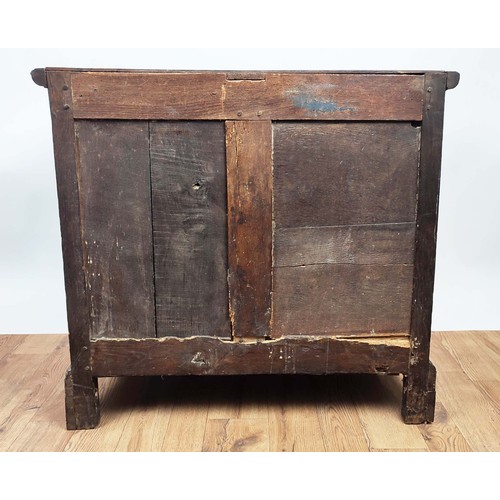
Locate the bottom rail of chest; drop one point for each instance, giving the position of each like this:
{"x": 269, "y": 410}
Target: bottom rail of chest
{"x": 214, "y": 356}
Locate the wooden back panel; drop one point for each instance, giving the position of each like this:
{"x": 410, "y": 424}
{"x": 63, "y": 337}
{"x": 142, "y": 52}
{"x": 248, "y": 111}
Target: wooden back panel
{"x": 301, "y": 225}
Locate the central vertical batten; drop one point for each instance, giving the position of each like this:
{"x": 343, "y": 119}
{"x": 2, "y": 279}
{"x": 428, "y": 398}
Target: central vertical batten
{"x": 249, "y": 192}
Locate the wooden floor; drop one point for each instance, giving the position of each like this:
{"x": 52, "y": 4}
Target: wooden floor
{"x": 260, "y": 413}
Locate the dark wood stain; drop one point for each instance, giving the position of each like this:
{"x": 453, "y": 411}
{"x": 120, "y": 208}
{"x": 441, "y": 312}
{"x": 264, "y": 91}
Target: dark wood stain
{"x": 353, "y": 215}
{"x": 114, "y": 180}
{"x": 326, "y": 97}
{"x": 211, "y": 356}
{"x": 365, "y": 244}
{"x": 329, "y": 174}
{"x": 249, "y": 181}
{"x": 188, "y": 169}
{"x": 247, "y": 96}
{"x": 328, "y": 299}
{"x": 81, "y": 383}
{"x": 418, "y": 399}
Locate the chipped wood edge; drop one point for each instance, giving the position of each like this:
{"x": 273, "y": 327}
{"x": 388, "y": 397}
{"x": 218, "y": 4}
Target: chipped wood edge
{"x": 215, "y": 356}
{"x": 39, "y": 76}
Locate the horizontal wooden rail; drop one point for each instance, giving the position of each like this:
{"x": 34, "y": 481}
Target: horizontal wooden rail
{"x": 214, "y": 356}
{"x": 271, "y": 96}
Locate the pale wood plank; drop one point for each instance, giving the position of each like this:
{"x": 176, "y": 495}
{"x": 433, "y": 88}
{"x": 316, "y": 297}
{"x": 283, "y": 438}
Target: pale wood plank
{"x": 13, "y": 418}
{"x": 378, "y": 400}
{"x": 236, "y": 435}
{"x": 471, "y": 351}
{"x": 8, "y": 343}
{"x": 443, "y": 434}
{"x": 188, "y": 419}
{"x": 293, "y": 420}
{"x": 42, "y": 436}
{"x": 25, "y": 381}
{"x": 148, "y": 422}
{"x": 38, "y": 344}
{"x": 473, "y": 412}
{"x": 340, "y": 423}
{"x": 117, "y": 399}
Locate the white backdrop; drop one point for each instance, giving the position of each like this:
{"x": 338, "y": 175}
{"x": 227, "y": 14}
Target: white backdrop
{"x": 468, "y": 260}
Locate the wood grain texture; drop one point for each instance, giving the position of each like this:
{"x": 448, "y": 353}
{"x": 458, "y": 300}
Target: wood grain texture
{"x": 236, "y": 435}
{"x": 341, "y": 426}
{"x": 329, "y": 299}
{"x": 272, "y": 96}
{"x": 416, "y": 400}
{"x": 188, "y": 171}
{"x": 249, "y": 191}
{"x": 149, "y": 96}
{"x": 294, "y": 422}
{"x": 114, "y": 180}
{"x": 282, "y": 96}
{"x": 466, "y": 418}
{"x": 77, "y": 299}
{"x": 443, "y": 435}
{"x": 213, "y": 356}
{"x": 465, "y": 402}
{"x": 328, "y": 174}
{"x": 377, "y": 400}
{"x": 365, "y": 244}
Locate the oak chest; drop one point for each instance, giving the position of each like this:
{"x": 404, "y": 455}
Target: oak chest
{"x": 247, "y": 223}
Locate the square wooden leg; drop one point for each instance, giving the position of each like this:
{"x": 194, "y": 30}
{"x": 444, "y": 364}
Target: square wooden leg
{"x": 419, "y": 396}
{"x": 82, "y": 403}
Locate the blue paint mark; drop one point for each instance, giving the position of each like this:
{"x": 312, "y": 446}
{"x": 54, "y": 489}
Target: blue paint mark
{"x": 303, "y": 100}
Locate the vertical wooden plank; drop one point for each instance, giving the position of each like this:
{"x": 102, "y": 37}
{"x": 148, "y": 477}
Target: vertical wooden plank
{"x": 85, "y": 412}
{"x": 190, "y": 228}
{"x": 418, "y": 397}
{"x": 249, "y": 191}
{"x": 114, "y": 179}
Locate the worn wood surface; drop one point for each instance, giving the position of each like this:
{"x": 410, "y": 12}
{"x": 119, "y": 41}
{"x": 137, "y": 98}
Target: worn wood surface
{"x": 115, "y": 200}
{"x": 417, "y": 404}
{"x": 354, "y": 411}
{"x": 77, "y": 298}
{"x": 212, "y": 356}
{"x": 250, "y": 232}
{"x": 279, "y": 96}
{"x": 328, "y": 174}
{"x": 188, "y": 171}
{"x": 363, "y": 244}
{"x": 328, "y": 299}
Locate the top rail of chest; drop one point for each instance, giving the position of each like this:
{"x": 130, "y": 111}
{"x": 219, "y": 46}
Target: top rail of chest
{"x": 156, "y": 95}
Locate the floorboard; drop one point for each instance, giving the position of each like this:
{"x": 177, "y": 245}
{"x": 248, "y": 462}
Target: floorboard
{"x": 261, "y": 413}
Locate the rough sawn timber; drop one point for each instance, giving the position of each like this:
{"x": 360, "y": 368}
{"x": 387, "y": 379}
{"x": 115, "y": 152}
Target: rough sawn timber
{"x": 250, "y": 231}
{"x": 277, "y": 96}
{"x": 213, "y": 356}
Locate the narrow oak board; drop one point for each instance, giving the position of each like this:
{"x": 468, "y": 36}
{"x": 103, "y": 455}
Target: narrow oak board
{"x": 273, "y": 96}
{"x": 353, "y": 299}
{"x": 363, "y": 244}
{"x": 249, "y": 190}
{"x": 114, "y": 179}
{"x": 328, "y": 174}
{"x": 188, "y": 170}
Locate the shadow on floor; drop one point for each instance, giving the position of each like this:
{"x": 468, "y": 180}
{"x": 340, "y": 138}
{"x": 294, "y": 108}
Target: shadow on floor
{"x": 271, "y": 390}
